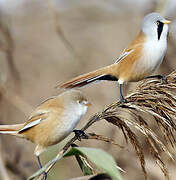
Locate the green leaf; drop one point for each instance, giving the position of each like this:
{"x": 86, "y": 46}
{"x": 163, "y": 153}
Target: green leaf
{"x": 100, "y": 158}
{"x": 84, "y": 165}
{"x": 86, "y": 169}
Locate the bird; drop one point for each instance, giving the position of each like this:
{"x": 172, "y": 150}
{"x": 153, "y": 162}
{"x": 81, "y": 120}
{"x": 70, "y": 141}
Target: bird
{"x": 52, "y": 121}
{"x": 138, "y": 61}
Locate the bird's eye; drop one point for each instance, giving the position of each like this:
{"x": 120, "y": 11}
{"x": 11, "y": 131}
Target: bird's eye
{"x": 78, "y": 101}
{"x": 158, "y": 23}
{"x": 84, "y": 102}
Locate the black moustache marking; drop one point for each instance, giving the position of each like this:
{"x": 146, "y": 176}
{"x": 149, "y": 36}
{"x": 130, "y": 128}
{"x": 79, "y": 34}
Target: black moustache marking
{"x": 159, "y": 29}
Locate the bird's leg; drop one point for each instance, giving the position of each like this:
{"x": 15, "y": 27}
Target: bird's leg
{"x": 40, "y": 164}
{"x": 122, "y": 99}
{"x": 161, "y": 77}
{"x": 80, "y": 134}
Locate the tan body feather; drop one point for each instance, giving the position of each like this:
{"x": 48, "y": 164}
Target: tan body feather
{"x": 40, "y": 134}
{"x": 51, "y": 122}
{"x": 123, "y": 70}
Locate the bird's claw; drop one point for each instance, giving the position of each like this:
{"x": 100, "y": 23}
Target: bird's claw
{"x": 163, "y": 79}
{"x": 159, "y": 76}
{"x": 80, "y": 134}
{"x": 44, "y": 175}
{"x": 123, "y": 100}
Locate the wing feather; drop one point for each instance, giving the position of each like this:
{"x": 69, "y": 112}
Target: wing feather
{"x": 30, "y": 124}
{"x": 123, "y": 55}
{"x": 34, "y": 120}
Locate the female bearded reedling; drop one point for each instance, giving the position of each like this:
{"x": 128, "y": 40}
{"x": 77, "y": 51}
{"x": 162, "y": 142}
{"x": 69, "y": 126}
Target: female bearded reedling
{"x": 51, "y": 122}
{"x": 138, "y": 61}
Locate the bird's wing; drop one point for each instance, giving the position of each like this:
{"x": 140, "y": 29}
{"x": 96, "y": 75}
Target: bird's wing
{"x": 42, "y": 112}
{"x": 34, "y": 120}
{"x": 135, "y": 45}
{"x": 123, "y": 55}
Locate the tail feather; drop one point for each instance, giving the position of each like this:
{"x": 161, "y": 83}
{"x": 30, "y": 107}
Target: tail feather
{"x": 80, "y": 81}
{"x": 11, "y": 129}
{"x": 85, "y": 79}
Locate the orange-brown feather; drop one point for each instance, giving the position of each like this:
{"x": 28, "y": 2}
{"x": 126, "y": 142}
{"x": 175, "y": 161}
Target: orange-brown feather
{"x": 87, "y": 78}
{"x": 121, "y": 70}
{"x": 41, "y": 133}
{"x": 44, "y": 127}
{"x": 13, "y": 127}
{"x": 124, "y": 67}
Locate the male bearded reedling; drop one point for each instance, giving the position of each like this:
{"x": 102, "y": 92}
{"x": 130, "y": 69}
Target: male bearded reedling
{"x": 138, "y": 61}
{"x": 52, "y": 121}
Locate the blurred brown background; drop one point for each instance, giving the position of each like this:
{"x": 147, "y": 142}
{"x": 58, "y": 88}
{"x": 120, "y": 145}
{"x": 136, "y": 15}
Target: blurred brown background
{"x": 43, "y": 43}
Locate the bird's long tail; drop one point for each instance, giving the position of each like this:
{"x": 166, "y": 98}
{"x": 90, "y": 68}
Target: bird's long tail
{"x": 11, "y": 129}
{"x": 105, "y": 73}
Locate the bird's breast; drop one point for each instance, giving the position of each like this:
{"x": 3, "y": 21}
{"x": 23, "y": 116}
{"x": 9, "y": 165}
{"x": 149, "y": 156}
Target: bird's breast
{"x": 153, "y": 52}
{"x": 152, "y": 56}
{"x": 67, "y": 123}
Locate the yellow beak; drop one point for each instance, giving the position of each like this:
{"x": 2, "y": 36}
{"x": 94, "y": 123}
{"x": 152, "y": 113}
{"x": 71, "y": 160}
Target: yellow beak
{"x": 167, "y": 22}
{"x": 88, "y": 104}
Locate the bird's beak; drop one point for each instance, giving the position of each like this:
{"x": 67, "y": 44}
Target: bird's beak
{"x": 167, "y": 22}
{"x": 88, "y": 104}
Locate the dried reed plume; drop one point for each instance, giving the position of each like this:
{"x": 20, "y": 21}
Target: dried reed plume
{"x": 152, "y": 100}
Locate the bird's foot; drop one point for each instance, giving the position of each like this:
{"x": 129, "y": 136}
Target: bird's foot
{"x": 80, "y": 134}
{"x": 163, "y": 79}
{"x": 44, "y": 175}
{"x": 123, "y": 100}
{"x": 159, "y": 76}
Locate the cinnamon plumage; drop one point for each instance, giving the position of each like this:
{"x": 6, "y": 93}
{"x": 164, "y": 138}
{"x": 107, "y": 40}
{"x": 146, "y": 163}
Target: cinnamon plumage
{"x": 138, "y": 61}
{"x": 52, "y": 121}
